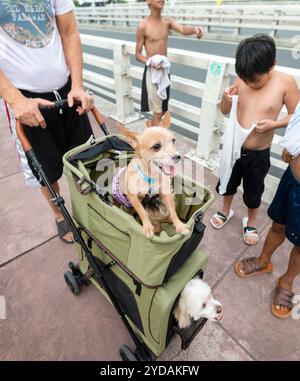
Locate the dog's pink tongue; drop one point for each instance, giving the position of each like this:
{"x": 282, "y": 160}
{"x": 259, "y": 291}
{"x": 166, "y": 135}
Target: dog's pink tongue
{"x": 169, "y": 170}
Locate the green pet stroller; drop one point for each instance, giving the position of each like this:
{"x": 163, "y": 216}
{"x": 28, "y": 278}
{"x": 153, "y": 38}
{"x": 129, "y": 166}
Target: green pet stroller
{"x": 141, "y": 277}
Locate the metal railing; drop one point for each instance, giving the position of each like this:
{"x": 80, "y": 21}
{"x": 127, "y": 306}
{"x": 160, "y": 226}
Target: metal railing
{"x": 227, "y": 23}
{"x": 206, "y": 123}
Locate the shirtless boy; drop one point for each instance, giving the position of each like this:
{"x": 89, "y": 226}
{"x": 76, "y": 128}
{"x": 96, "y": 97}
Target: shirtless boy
{"x": 262, "y": 92}
{"x": 153, "y": 33}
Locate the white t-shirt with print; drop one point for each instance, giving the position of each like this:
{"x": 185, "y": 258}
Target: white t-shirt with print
{"x": 31, "y": 51}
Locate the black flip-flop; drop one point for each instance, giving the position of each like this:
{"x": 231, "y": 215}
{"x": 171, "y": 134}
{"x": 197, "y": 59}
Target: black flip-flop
{"x": 62, "y": 229}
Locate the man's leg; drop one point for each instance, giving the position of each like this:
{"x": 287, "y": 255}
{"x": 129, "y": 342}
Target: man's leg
{"x": 231, "y": 189}
{"x": 252, "y": 216}
{"x": 286, "y": 281}
{"x": 58, "y": 216}
{"x": 274, "y": 240}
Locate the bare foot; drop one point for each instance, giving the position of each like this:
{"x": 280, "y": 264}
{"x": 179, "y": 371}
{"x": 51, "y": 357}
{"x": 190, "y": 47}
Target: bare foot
{"x": 257, "y": 264}
{"x": 251, "y": 237}
{"x": 68, "y": 236}
{"x": 252, "y": 266}
{"x": 220, "y": 218}
{"x": 285, "y": 286}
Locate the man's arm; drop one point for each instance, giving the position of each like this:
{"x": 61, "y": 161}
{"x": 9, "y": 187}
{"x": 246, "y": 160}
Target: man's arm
{"x": 69, "y": 34}
{"x": 291, "y": 99}
{"x": 140, "y": 41}
{"x": 24, "y": 109}
{"x": 185, "y": 29}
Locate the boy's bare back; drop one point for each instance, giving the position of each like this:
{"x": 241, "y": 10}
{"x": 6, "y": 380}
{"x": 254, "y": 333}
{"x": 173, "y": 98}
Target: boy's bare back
{"x": 264, "y": 105}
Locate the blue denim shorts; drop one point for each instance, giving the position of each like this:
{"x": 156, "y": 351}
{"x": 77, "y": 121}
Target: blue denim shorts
{"x": 285, "y": 208}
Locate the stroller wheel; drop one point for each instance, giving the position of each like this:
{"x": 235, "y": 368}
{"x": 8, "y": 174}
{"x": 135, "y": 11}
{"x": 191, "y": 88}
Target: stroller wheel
{"x": 127, "y": 354}
{"x": 72, "y": 283}
{"x": 73, "y": 267}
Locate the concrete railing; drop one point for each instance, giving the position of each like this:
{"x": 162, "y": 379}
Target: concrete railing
{"x": 206, "y": 123}
{"x": 229, "y": 23}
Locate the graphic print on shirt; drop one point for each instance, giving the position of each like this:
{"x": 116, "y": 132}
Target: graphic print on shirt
{"x": 28, "y": 22}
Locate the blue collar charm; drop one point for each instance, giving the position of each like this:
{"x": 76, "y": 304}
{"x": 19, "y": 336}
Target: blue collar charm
{"x": 148, "y": 180}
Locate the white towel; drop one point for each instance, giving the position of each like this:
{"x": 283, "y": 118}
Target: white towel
{"x": 233, "y": 141}
{"x": 291, "y": 139}
{"x": 160, "y": 77}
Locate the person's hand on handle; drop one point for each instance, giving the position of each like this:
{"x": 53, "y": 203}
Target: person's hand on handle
{"x": 80, "y": 95}
{"x": 199, "y": 32}
{"x": 26, "y": 110}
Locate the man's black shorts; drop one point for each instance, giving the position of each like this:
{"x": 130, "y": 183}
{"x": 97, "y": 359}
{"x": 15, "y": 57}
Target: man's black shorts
{"x": 252, "y": 168}
{"x": 285, "y": 207}
{"x": 65, "y": 130}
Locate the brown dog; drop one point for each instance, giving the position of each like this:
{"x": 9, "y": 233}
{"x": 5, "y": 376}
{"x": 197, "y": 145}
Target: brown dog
{"x": 150, "y": 173}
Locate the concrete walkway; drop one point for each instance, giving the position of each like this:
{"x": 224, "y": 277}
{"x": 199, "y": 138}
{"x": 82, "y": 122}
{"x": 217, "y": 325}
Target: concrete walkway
{"x": 44, "y": 321}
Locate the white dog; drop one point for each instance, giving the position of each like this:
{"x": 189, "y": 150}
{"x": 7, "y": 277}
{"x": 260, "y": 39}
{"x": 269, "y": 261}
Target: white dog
{"x": 195, "y": 302}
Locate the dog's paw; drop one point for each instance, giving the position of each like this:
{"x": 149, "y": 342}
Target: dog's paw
{"x": 148, "y": 230}
{"x": 182, "y": 229}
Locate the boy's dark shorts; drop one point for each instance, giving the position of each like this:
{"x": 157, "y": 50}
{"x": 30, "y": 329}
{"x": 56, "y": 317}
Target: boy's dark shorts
{"x": 148, "y": 104}
{"x": 285, "y": 207}
{"x": 64, "y": 131}
{"x": 252, "y": 168}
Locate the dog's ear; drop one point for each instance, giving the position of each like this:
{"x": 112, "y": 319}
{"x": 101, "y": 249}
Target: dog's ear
{"x": 131, "y": 136}
{"x": 166, "y": 121}
{"x": 181, "y": 316}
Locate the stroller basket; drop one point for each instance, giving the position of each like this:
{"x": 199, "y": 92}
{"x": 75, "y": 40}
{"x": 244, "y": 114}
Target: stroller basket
{"x": 145, "y": 276}
{"x": 151, "y": 262}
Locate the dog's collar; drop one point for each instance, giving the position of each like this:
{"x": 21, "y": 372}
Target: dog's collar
{"x": 148, "y": 180}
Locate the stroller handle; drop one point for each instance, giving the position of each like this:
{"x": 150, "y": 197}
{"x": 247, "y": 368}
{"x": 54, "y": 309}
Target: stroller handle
{"x": 57, "y": 105}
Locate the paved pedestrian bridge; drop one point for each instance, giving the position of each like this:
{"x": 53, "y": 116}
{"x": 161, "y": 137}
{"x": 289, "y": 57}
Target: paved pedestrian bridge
{"x": 42, "y": 319}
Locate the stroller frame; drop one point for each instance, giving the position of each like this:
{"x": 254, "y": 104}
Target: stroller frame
{"x": 75, "y": 277}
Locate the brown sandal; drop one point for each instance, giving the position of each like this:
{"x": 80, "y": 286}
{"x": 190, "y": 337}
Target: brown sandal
{"x": 282, "y": 298}
{"x": 251, "y": 267}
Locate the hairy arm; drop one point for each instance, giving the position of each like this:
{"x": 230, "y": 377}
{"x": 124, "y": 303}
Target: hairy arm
{"x": 24, "y": 109}
{"x": 69, "y": 34}
{"x": 185, "y": 30}
{"x": 8, "y": 91}
{"x": 140, "y": 42}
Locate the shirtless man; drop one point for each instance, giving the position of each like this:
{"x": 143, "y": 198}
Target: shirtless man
{"x": 262, "y": 92}
{"x": 153, "y": 33}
